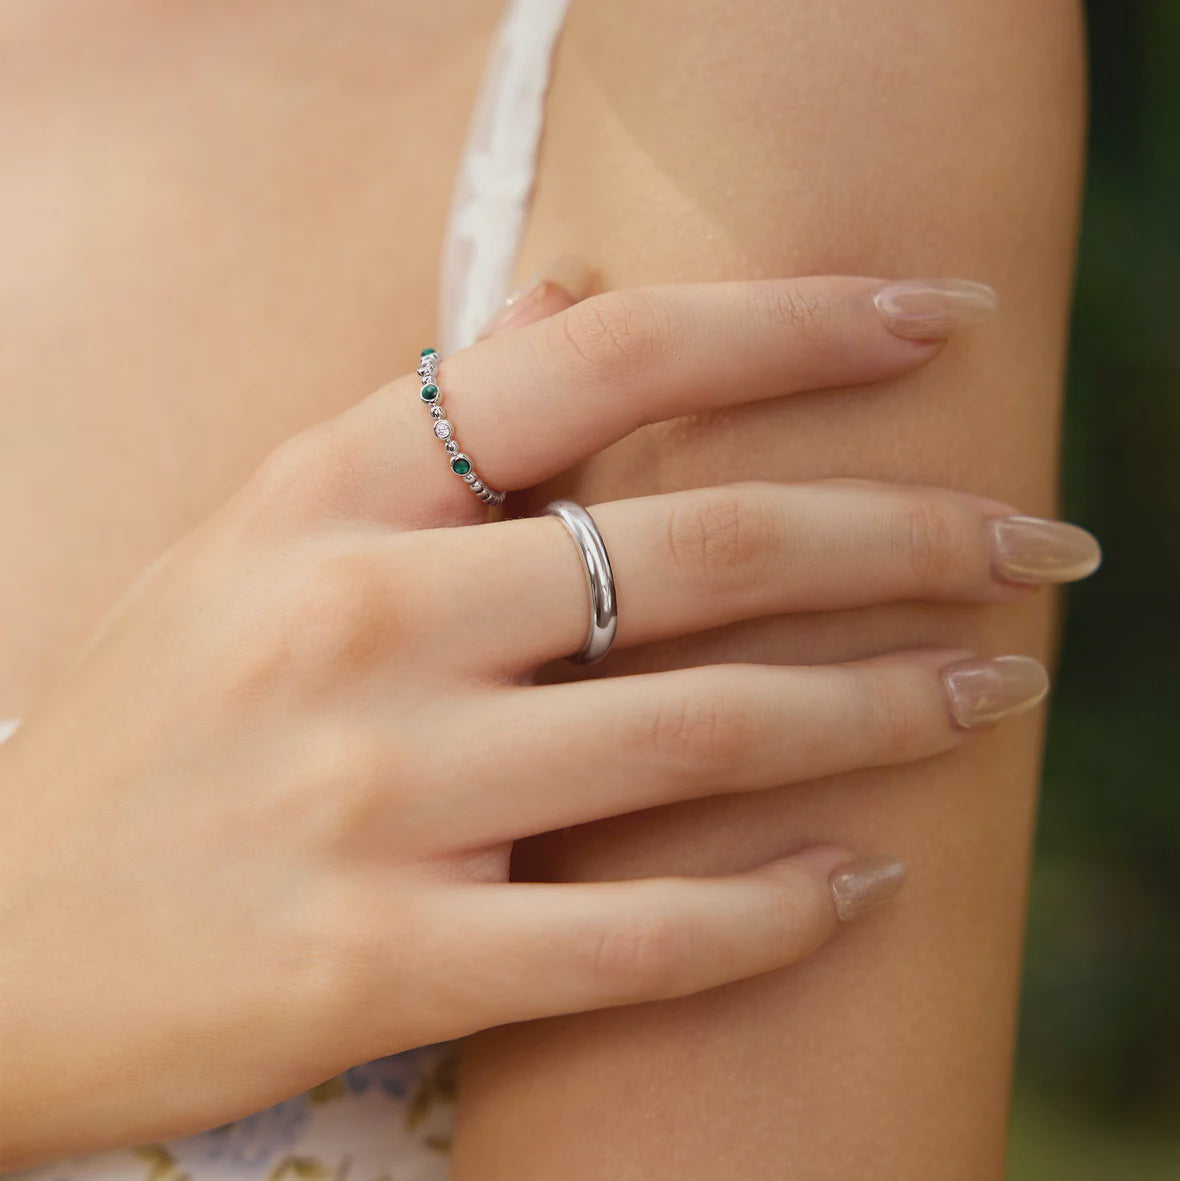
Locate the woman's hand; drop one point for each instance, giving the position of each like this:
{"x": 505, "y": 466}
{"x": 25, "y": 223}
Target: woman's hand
{"x": 262, "y": 832}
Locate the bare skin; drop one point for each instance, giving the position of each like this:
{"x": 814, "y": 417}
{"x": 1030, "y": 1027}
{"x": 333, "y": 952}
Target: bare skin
{"x": 255, "y": 833}
{"x": 211, "y": 273}
{"x": 217, "y": 228}
{"x": 907, "y": 136}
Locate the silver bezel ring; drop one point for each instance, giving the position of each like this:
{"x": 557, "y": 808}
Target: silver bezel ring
{"x": 444, "y": 430}
{"x": 600, "y": 579}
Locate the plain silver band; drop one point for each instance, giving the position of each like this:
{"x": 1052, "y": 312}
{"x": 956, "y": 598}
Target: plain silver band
{"x": 600, "y": 579}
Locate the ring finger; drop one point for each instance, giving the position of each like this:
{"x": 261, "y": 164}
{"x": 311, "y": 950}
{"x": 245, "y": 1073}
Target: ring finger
{"x": 692, "y": 560}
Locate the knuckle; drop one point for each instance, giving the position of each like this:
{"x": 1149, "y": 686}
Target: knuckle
{"x": 340, "y": 608}
{"x": 723, "y": 539}
{"x": 282, "y": 471}
{"x": 604, "y": 334}
{"x": 935, "y": 547}
{"x": 339, "y": 792}
{"x": 639, "y": 956}
{"x": 702, "y": 732}
{"x": 339, "y": 958}
{"x": 801, "y": 311}
{"x": 305, "y": 471}
{"x": 334, "y": 590}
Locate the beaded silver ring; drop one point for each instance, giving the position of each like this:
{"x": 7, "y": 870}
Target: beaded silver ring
{"x": 444, "y": 430}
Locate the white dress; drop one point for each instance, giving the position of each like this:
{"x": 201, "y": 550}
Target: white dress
{"x": 389, "y": 1120}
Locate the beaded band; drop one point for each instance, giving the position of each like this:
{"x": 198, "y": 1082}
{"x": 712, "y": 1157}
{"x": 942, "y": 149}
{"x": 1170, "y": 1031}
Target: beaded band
{"x": 444, "y": 431}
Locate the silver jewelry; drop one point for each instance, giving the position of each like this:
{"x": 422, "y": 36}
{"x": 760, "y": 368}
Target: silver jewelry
{"x": 444, "y": 430}
{"x": 600, "y": 580}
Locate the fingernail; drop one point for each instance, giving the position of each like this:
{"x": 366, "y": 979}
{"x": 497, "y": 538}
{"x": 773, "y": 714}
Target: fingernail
{"x": 568, "y": 275}
{"x": 985, "y": 691}
{"x": 931, "y": 309}
{"x": 864, "y": 884}
{"x": 1031, "y": 549}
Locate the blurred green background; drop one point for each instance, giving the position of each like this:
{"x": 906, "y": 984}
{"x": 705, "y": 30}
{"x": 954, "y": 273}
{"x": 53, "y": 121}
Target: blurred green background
{"x": 1098, "y": 1076}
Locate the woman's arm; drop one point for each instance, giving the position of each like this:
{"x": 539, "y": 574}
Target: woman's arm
{"x": 921, "y": 137}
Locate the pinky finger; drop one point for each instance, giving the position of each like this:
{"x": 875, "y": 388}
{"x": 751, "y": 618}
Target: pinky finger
{"x": 553, "y": 949}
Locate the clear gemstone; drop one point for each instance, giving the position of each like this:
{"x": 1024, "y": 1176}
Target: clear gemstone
{"x": 443, "y": 429}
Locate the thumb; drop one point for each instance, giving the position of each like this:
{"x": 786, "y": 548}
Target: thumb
{"x": 552, "y": 289}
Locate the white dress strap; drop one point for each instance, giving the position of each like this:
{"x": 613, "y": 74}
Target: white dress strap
{"x": 494, "y": 181}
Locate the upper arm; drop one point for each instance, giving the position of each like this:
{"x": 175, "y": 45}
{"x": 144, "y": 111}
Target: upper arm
{"x": 902, "y": 138}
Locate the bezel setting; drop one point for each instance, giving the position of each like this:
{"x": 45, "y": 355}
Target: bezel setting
{"x": 444, "y": 430}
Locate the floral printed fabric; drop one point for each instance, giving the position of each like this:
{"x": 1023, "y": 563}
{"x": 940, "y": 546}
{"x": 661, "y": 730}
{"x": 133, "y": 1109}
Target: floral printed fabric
{"x": 389, "y": 1120}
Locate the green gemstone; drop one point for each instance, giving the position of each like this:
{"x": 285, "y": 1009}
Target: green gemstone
{"x": 430, "y": 393}
{"x": 460, "y": 466}
{"x": 427, "y": 352}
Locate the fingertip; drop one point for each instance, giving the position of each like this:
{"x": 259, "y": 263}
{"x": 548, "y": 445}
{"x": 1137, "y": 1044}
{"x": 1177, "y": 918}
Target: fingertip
{"x": 807, "y": 875}
{"x": 570, "y": 273}
{"x": 821, "y": 860}
{"x": 558, "y": 285}
{"x": 841, "y": 885}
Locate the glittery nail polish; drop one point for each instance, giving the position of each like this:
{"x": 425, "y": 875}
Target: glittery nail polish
{"x": 866, "y": 883}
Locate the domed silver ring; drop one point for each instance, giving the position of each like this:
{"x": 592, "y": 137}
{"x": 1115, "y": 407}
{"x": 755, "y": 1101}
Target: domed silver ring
{"x": 600, "y": 579}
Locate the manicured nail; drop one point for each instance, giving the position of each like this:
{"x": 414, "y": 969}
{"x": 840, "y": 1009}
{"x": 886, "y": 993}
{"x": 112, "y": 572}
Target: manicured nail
{"x": 567, "y": 276}
{"x": 864, "y": 884}
{"x": 931, "y": 309}
{"x": 1032, "y": 550}
{"x": 985, "y": 691}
